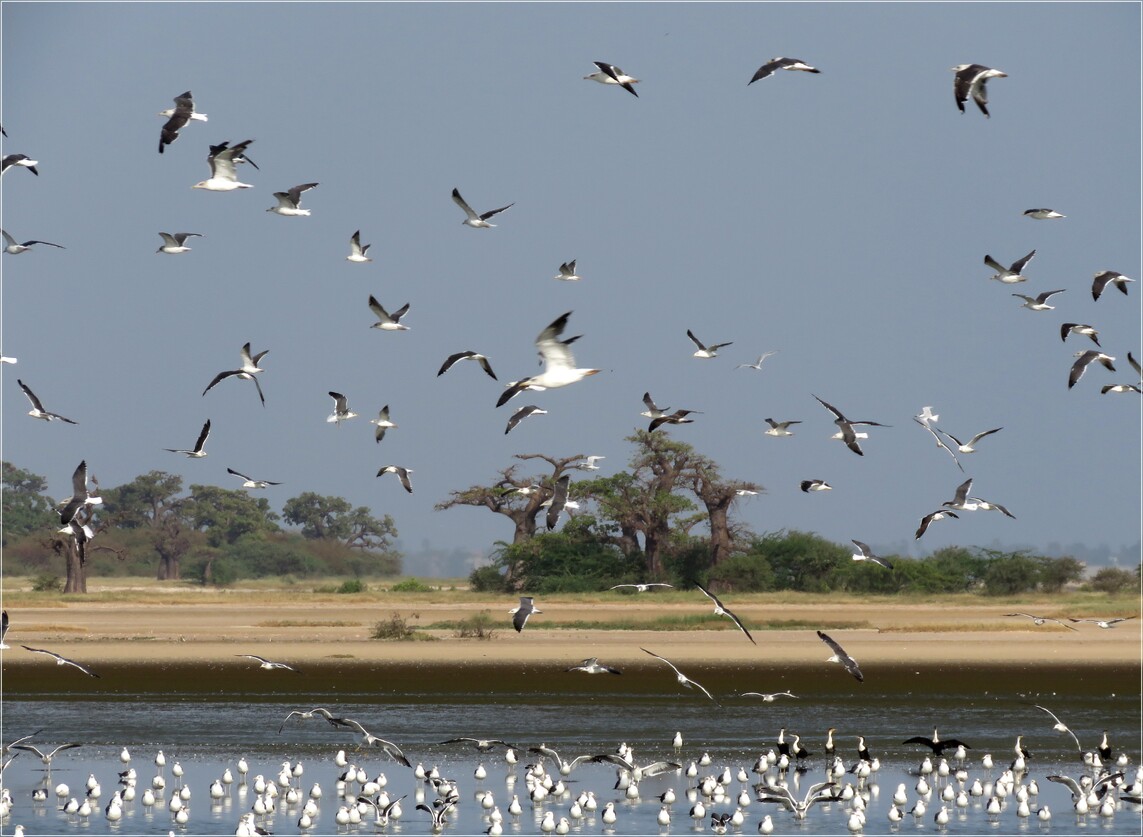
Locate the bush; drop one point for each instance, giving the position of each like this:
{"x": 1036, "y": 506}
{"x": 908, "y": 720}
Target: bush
{"x": 478, "y": 626}
{"x": 1114, "y": 580}
{"x": 354, "y": 585}
{"x": 488, "y": 580}
{"x": 742, "y": 573}
{"x": 394, "y": 628}
{"x": 47, "y": 583}
{"x": 410, "y": 585}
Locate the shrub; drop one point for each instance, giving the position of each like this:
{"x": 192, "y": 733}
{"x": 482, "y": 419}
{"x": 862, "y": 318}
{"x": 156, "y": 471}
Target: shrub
{"x": 47, "y": 583}
{"x": 1114, "y": 580}
{"x": 487, "y": 579}
{"x": 354, "y": 585}
{"x": 742, "y": 573}
{"x": 394, "y": 628}
{"x": 477, "y": 626}
{"x": 411, "y": 585}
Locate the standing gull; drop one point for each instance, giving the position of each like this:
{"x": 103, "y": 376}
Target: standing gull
{"x": 682, "y": 678}
{"x": 382, "y": 422}
{"x": 610, "y": 74}
{"x": 246, "y": 373}
{"x": 38, "y": 410}
{"x": 1010, "y": 275}
{"x": 969, "y": 81}
{"x": 341, "y": 411}
{"x": 479, "y": 222}
{"x": 197, "y": 452}
{"x": 357, "y": 250}
{"x": 521, "y": 612}
{"x": 559, "y": 363}
{"x": 720, "y": 610}
{"x": 177, "y": 119}
{"x": 1105, "y": 277}
{"x": 60, "y": 661}
{"x": 774, "y": 64}
{"x": 176, "y": 243}
{"x": 706, "y": 352}
{"x": 402, "y": 474}
{"x": 15, "y": 248}
{"x": 385, "y": 320}
{"x": 251, "y": 483}
{"x": 839, "y": 656}
{"x": 467, "y": 355}
{"x": 223, "y": 174}
{"x": 936, "y": 743}
{"x": 290, "y": 201}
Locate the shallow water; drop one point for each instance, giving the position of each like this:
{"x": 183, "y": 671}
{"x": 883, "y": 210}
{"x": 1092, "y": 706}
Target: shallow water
{"x": 207, "y": 735}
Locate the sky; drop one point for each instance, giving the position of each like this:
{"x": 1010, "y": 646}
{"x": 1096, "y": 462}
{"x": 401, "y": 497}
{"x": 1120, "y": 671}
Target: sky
{"x": 840, "y": 219}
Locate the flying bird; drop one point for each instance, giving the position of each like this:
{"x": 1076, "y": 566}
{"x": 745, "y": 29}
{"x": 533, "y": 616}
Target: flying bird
{"x": 306, "y": 715}
{"x": 1105, "y": 277}
{"x": 643, "y": 587}
{"x": 1012, "y": 274}
{"x": 960, "y": 500}
{"x": 557, "y": 501}
{"x": 969, "y": 81}
{"x": 21, "y": 160}
{"x": 1043, "y": 214}
{"x": 848, "y": 434}
{"x": 480, "y": 222}
{"x": 1042, "y": 620}
{"x": 864, "y": 553}
{"x": 590, "y": 464}
{"x": 484, "y": 745}
{"x": 175, "y": 244}
{"x": 967, "y": 447}
{"x": 382, "y": 422}
{"x": 1079, "y": 328}
{"x": 819, "y": 792}
{"x": 14, "y": 248}
{"x": 197, "y": 452}
{"x": 521, "y": 612}
{"x": 251, "y": 483}
{"x": 931, "y": 517}
{"x": 774, "y": 64}
{"x": 468, "y": 355}
{"x": 768, "y": 697}
{"x": 521, "y": 414}
{"x": 815, "y": 485}
{"x": 567, "y": 272}
{"x": 385, "y": 320}
{"x": 839, "y": 656}
{"x": 290, "y": 201}
{"x": 223, "y": 174}
{"x": 682, "y": 678}
{"x": 940, "y": 442}
{"x": 47, "y": 757}
{"x": 721, "y": 610}
{"x": 1059, "y": 726}
{"x": 1040, "y": 301}
{"x": 780, "y": 428}
{"x": 1106, "y": 388}
{"x": 3, "y": 629}
{"x": 60, "y": 661}
{"x": 652, "y": 410}
{"x": 371, "y": 740}
{"x": 341, "y": 411}
{"x": 402, "y": 474}
{"x": 80, "y": 496}
{"x": 357, "y": 250}
{"x": 706, "y": 352}
{"x": 1104, "y": 623}
{"x": 177, "y": 119}
{"x": 677, "y": 417}
{"x": 592, "y": 665}
{"x": 38, "y": 410}
{"x": 247, "y": 371}
{"x": 1081, "y": 364}
{"x": 757, "y": 365}
{"x": 559, "y": 363}
{"x": 610, "y": 74}
{"x": 269, "y": 665}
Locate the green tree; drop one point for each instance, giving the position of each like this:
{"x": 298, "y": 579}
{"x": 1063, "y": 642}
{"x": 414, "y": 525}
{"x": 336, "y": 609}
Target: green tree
{"x": 227, "y": 515}
{"x": 334, "y": 518}
{"x": 26, "y": 506}
{"x": 151, "y": 503}
{"x": 1114, "y": 580}
{"x": 1055, "y": 573}
{"x": 799, "y": 560}
{"x": 1011, "y": 573}
{"x": 575, "y": 559}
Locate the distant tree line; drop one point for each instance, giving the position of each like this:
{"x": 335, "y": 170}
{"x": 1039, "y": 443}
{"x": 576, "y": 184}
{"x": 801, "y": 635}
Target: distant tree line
{"x": 215, "y": 535}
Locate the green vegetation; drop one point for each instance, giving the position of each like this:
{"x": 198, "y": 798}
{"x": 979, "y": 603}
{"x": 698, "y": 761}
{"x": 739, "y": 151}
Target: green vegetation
{"x": 411, "y": 585}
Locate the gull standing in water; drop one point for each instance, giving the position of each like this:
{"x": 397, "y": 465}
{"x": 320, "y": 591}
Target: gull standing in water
{"x": 290, "y": 201}
{"x": 521, "y": 612}
{"x": 936, "y": 744}
{"x": 610, "y": 74}
{"x": 1010, "y": 275}
{"x": 480, "y": 222}
{"x": 720, "y": 610}
{"x": 402, "y": 474}
{"x": 38, "y": 410}
{"x": 13, "y": 247}
{"x": 251, "y": 483}
{"x": 177, "y": 119}
{"x": 197, "y": 452}
{"x": 839, "y": 656}
{"x": 175, "y": 244}
{"x": 223, "y": 174}
{"x": 60, "y": 661}
{"x": 559, "y": 363}
{"x": 385, "y": 320}
{"x": 969, "y": 81}
{"x": 247, "y": 372}
{"x": 682, "y": 678}
{"x": 357, "y": 250}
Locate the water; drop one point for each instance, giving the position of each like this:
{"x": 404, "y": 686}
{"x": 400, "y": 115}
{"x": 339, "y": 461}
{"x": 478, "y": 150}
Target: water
{"x": 205, "y": 736}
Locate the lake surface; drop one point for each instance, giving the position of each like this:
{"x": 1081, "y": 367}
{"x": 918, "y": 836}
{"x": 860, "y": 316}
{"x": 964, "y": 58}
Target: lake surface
{"x": 576, "y": 715}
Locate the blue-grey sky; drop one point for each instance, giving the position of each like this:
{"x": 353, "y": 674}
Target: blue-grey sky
{"x": 839, "y": 218}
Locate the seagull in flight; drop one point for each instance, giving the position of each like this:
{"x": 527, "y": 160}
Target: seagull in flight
{"x": 521, "y": 414}
{"x": 969, "y": 81}
{"x": 1082, "y": 361}
{"x": 1043, "y": 214}
{"x": 567, "y": 272}
{"x": 940, "y": 442}
{"x": 402, "y": 474}
{"x": 80, "y": 496}
{"x": 22, "y": 160}
{"x": 1104, "y": 623}
{"x": 610, "y": 74}
{"x": 479, "y": 222}
{"x": 197, "y": 452}
{"x": 223, "y": 174}
{"x": 590, "y": 464}
{"x": 1040, "y": 301}
{"x": 1106, "y": 277}
{"x": 290, "y": 201}
{"x": 592, "y": 666}
{"x": 1041, "y": 620}
{"x": 247, "y": 372}
{"x": 1079, "y": 328}
{"x": 961, "y": 501}
{"x": 643, "y": 587}
{"x": 357, "y": 250}
{"x": 312, "y": 713}
{"x": 774, "y": 64}
{"x": 815, "y": 485}
{"x": 968, "y": 447}
{"x": 382, "y": 422}
{"x": 341, "y": 411}
{"x": 820, "y": 792}
{"x": 521, "y": 612}
{"x": 559, "y": 363}
{"x": 757, "y": 365}
{"x": 484, "y": 745}
{"x": 768, "y": 697}
{"x": 677, "y": 417}
{"x": 1059, "y": 726}
{"x": 177, "y": 119}
{"x": 175, "y": 244}
{"x": 706, "y": 352}
{"x": 13, "y": 247}
{"x": 864, "y": 553}
{"x": 557, "y": 502}
{"x": 251, "y": 483}
{"x": 720, "y": 610}
{"x": 385, "y": 320}
{"x": 47, "y": 757}
{"x": 682, "y": 678}
{"x": 1012, "y": 274}
{"x": 371, "y": 740}
{"x": 652, "y": 411}
{"x": 468, "y": 355}
{"x": 848, "y": 434}
{"x": 929, "y": 518}
{"x": 269, "y": 665}
{"x": 839, "y": 656}
{"x": 38, "y": 410}
{"x": 780, "y": 428}
{"x": 60, "y": 661}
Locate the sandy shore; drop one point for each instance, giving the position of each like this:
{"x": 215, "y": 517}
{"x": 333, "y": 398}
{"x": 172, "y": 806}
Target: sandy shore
{"x": 333, "y": 635}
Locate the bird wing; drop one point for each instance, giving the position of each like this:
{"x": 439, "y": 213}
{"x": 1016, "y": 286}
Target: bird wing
{"x": 696, "y": 341}
{"x": 844, "y": 658}
{"x": 1020, "y": 264}
{"x": 486, "y": 366}
{"x": 295, "y": 192}
{"x": 554, "y": 351}
{"x": 450, "y": 360}
{"x": 198, "y": 445}
{"x": 559, "y": 500}
{"x": 379, "y": 311}
{"x": 220, "y": 376}
{"x": 865, "y": 550}
{"x": 484, "y": 216}
{"x": 31, "y": 396}
{"x": 832, "y": 409}
{"x": 459, "y": 201}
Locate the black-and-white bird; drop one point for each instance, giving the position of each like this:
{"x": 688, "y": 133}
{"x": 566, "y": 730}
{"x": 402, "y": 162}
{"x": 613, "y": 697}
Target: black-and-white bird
{"x": 307, "y": 714}
{"x": 677, "y": 417}
{"x": 1059, "y": 726}
{"x": 960, "y": 500}
{"x": 382, "y": 422}
{"x": 21, "y": 161}
{"x": 368, "y": 739}
{"x": 1106, "y": 277}
{"x": 864, "y": 553}
{"x": 704, "y": 351}
{"x": 47, "y": 757}
{"x": 610, "y": 74}
{"x": 80, "y": 496}
{"x": 846, "y": 432}
{"x": 774, "y": 64}
{"x": 1040, "y": 301}
{"x": 16, "y": 248}
{"x": 768, "y": 697}
{"x": 840, "y": 656}
{"x": 682, "y": 678}
{"x": 38, "y": 410}
{"x": 969, "y": 81}
{"x": 177, "y": 118}
{"x": 3, "y": 629}
{"x": 437, "y": 820}
{"x": 197, "y": 452}
{"x": 1011, "y": 275}
{"x": 557, "y": 501}
{"x": 592, "y": 665}
{"x": 249, "y": 482}
{"x": 1082, "y": 361}
{"x": 1079, "y": 328}
{"x": 357, "y": 250}
{"x": 60, "y": 661}
{"x": 653, "y": 411}
{"x": 820, "y": 792}
{"x": 936, "y": 743}
{"x": 559, "y": 363}
{"x": 780, "y": 428}
{"x": 468, "y": 355}
{"x": 223, "y": 173}
{"x": 567, "y": 272}
{"x": 932, "y": 517}
{"x": 472, "y": 219}
{"x": 1042, "y": 620}
{"x": 175, "y": 243}
{"x": 522, "y": 611}
{"x": 341, "y": 411}
{"x": 815, "y": 485}
{"x": 290, "y": 201}
{"x": 642, "y": 588}
{"x": 1043, "y": 214}
{"x": 940, "y": 442}
{"x": 969, "y": 446}
{"x": 483, "y": 745}
{"x": 385, "y": 320}
{"x": 247, "y": 371}
{"x": 521, "y": 414}
{"x": 1104, "y": 623}
{"x": 721, "y": 610}
{"x": 402, "y": 475}
{"x": 757, "y": 365}
{"x": 1106, "y": 388}
{"x": 269, "y": 665}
